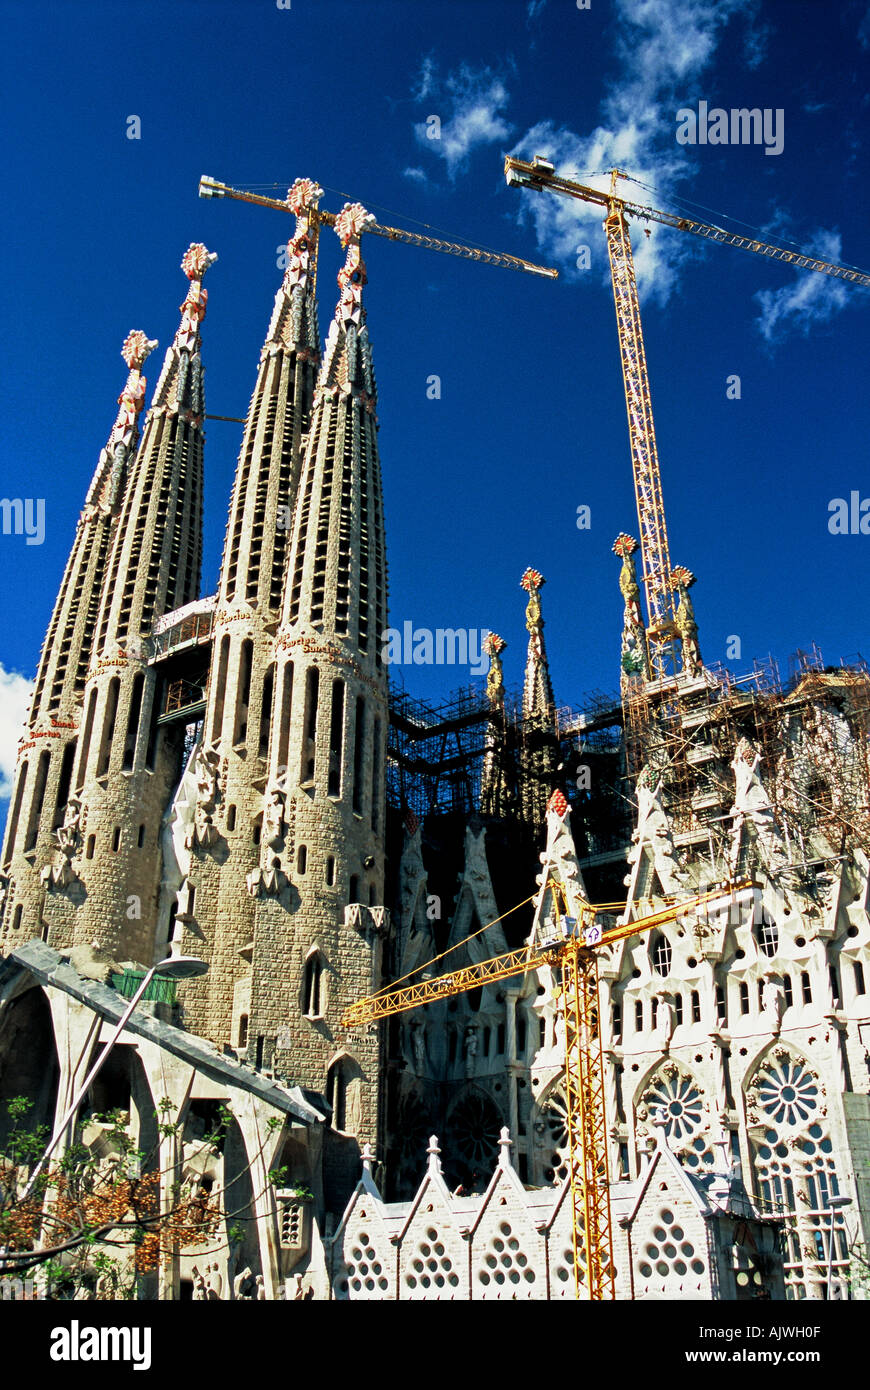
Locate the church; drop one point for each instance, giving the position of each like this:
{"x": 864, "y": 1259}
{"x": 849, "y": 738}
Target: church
{"x": 237, "y": 777}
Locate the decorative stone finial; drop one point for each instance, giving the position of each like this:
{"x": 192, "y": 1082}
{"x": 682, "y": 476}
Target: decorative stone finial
{"x": 367, "y": 1157}
{"x": 434, "y": 1153}
{"x": 493, "y": 645}
{"x": 681, "y": 581}
{"x": 505, "y": 1144}
{"x": 136, "y": 348}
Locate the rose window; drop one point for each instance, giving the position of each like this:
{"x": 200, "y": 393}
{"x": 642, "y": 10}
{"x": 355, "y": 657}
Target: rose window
{"x": 787, "y": 1092}
{"x": 676, "y": 1097}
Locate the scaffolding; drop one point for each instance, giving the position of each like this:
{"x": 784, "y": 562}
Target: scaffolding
{"x": 811, "y": 733}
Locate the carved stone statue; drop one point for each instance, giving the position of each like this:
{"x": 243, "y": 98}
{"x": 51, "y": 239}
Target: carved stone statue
{"x": 687, "y": 629}
{"x": 773, "y": 1002}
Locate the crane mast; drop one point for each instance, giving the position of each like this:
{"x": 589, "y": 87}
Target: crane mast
{"x": 655, "y": 552}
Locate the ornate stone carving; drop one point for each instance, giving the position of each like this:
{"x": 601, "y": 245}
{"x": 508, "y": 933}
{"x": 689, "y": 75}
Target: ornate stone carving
{"x": 682, "y": 580}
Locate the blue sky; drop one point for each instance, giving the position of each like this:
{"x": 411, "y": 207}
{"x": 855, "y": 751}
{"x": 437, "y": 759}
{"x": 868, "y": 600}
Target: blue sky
{"x": 530, "y": 424}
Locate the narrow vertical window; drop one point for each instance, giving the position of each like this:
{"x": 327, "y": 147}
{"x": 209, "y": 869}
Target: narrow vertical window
{"x": 220, "y": 689}
{"x": 353, "y": 896}
{"x": 312, "y": 986}
{"x": 858, "y": 971}
{"x": 16, "y": 812}
{"x": 359, "y": 734}
{"x": 38, "y": 800}
{"x": 109, "y": 717}
{"x": 695, "y": 1000}
{"x": 243, "y": 695}
{"x": 63, "y": 785}
{"x": 266, "y": 712}
{"x": 86, "y": 739}
{"x": 678, "y": 1010}
{"x": 376, "y": 775}
{"x": 834, "y": 977}
{"x": 309, "y": 725}
{"x": 301, "y": 859}
{"x": 721, "y": 1005}
{"x": 141, "y": 837}
{"x": 787, "y": 991}
{"x": 806, "y": 987}
{"x": 336, "y": 738}
{"x": 284, "y": 716}
{"x": 133, "y": 716}
{"x": 638, "y": 1015}
{"x": 744, "y": 997}
{"x": 330, "y": 871}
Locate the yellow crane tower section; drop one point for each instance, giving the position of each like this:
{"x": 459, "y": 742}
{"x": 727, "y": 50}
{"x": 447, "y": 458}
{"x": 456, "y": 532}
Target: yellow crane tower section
{"x": 655, "y": 554}
{"x": 570, "y": 945}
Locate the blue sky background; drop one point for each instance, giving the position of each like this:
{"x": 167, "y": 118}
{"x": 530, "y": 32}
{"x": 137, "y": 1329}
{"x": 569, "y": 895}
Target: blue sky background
{"x": 531, "y": 420}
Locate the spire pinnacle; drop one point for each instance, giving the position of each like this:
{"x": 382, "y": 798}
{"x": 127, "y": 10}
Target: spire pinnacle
{"x": 105, "y": 487}
{"x": 635, "y": 654}
{"x": 347, "y": 363}
{"x": 182, "y": 366}
{"x": 681, "y": 582}
{"x": 537, "y": 690}
{"x": 291, "y": 327}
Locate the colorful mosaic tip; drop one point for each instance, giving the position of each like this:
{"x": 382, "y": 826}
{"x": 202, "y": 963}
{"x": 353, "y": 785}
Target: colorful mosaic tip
{"x": 624, "y": 545}
{"x": 532, "y": 579}
{"x": 493, "y": 644}
{"x": 558, "y": 803}
{"x": 196, "y": 260}
{"x": 351, "y": 222}
{"x": 680, "y": 576}
{"x": 136, "y": 348}
{"x": 302, "y": 195}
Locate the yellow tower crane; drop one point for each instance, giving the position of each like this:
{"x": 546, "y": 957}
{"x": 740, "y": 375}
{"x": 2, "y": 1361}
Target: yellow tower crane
{"x": 655, "y": 556}
{"x": 565, "y": 936}
{"x": 212, "y": 188}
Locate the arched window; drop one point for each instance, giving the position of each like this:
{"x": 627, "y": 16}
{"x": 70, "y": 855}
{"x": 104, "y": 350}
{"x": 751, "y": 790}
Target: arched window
{"x": 767, "y": 935}
{"x": 312, "y": 986}
{"x": 342, "y": 1080}
{"x": 661, "y": 955}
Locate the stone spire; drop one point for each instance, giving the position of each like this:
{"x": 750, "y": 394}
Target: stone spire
{"x": 539, "y": 747}
{"x": 494, "y": 789}
{"x": 156, "y": 557}
{"x": 225, "y": 870}
{"x": 320, "y": 918}
{"x": 127, "y": 763}
{"x": 634, "y": 660}
{"x": 42, "y": 809}
{"x": 537, "y": 688}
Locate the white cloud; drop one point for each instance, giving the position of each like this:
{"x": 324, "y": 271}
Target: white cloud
{"x": 534, "y": 8}
{"x": 474, "y": 100}
{"x": 15, "y": 693}
{"x": 813, "y": 298}
{"x": 663, "y": 48}
{"x": 425, "y": 79}
{"x": 417, "y": 175}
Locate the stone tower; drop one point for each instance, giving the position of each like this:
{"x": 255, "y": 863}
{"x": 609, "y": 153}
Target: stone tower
{"x": 126, "y": 765}
{"x": 216, "y": 898}
{"x": 325, "y": 822}
{"x": 43, "y": 833}
{"x": 288, "y": 860}
{"x": 540, "y": 750}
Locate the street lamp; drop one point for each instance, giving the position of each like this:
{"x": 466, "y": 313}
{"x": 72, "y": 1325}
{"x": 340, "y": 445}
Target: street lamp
{"x": 835, "y": 1204}
{"x": 177, "y": 967}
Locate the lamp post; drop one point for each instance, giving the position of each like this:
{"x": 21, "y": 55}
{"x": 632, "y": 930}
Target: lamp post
{"x": 835, "y": 1204}
{"x": 179, "y": 968}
